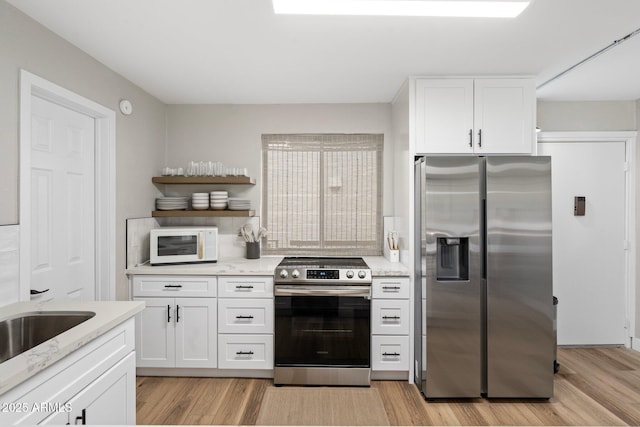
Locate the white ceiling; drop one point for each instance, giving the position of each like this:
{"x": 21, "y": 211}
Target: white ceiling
{"x": 238, "y": 51}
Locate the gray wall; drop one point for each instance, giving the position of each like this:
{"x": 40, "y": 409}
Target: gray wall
{"x": 140, "y": 137}
{"x": 231, "y": 134}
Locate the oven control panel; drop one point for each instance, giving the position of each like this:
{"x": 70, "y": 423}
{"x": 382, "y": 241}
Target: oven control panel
{"x": 322, "y": 275}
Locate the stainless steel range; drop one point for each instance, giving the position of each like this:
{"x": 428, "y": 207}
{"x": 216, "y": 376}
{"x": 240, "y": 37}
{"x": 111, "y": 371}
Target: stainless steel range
{"x": 322, "y": 321}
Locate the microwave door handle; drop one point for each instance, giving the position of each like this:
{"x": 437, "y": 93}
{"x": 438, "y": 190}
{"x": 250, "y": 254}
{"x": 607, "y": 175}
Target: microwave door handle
{"x": 200, "y": 245}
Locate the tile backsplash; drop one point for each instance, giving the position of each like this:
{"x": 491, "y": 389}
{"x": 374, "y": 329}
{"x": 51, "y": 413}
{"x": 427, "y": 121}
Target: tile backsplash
{"x": 230, "y": 244}
{"x": 9, "y": 264}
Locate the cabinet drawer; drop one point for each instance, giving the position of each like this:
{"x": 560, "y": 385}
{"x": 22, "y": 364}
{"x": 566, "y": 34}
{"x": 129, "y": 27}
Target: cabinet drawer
{"x": 389, "y": 353}
{"x": 174, "y": 286}
{"x": 246, "y": 286}
{"x": 390, "y": 287}
{"x": 245, "y": 351}
{"x": 245, "y": 316}
{"x": 390, "y": 317}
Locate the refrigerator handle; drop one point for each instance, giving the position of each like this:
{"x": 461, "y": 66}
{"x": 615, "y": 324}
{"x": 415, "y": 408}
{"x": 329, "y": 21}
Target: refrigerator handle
{"x": 483, "y": 239}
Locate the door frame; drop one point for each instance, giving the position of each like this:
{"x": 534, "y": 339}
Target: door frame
{"x": 629, "y": 140}
{"x": 105, "y": 180}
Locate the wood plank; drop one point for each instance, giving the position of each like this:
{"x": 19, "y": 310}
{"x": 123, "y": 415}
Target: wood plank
{"x": 203, "y": 213}
{"x": 595, "y": 386}
{"x": 239, "y": 180}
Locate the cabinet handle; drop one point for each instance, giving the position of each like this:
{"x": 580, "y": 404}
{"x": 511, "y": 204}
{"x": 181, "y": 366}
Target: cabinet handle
{"x": 471, "y": 138}
{"x": 391, "y": 317}
{"x": 480, "y": 138}
{"x": 168, "y": 313}
{"x": 83, "y": 418}
{"x": 244, "y": 317}
{"x": 177, "y": 313}
{"x": 244, "y": 353}
{"x": 244, "y": 286}
{"x": 391, "y": 287}
{"x": 390, "y": 354}
{"x": 173, "y": 286}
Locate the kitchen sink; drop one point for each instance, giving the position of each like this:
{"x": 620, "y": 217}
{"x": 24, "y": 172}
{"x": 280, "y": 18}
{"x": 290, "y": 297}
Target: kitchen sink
{"x": 27, "y": 330}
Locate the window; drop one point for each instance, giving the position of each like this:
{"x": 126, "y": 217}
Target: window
{"x": 322, "y": 194}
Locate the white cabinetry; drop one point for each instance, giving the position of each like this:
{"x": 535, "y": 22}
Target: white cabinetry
{"x": 390, "y": 324}
{"x": 177, "y": 329}
{"x": 475, "y": 116}
{"x": 94, "y": 385}
{"x": 245, "y": 322}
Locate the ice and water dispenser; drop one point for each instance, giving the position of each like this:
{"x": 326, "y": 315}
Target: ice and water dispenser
{"x": 452, "y": 258}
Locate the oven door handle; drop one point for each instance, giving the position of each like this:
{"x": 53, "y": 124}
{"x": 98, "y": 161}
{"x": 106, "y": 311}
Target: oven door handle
{"x": 322, "y": 291}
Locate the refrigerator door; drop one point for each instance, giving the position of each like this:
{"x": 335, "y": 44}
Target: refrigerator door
{"x": 520, "y": 339}
{"x": 419, "y": 285}
{"x": 453, "y": 277}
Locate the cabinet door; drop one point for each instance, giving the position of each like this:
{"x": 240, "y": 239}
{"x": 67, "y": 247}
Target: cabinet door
{"x": 390, "y": 317}
{"x": 246, "y": 286}
{"x": 110, "y": 399}
{"x": 245, "y": 316}
{"x": 246, "y": 351}
{"x": 390, "y": 353}
{"x": 504, "y": 116}
{"x": 196, "y": 331}
{"x": 155, "y": 334}
{"x": 444, "y": 116}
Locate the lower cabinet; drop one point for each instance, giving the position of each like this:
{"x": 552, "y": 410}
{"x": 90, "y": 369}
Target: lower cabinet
{"x": 244, "y": 351}
{"x": 95, "y": 385}
{"x": 177, "y": 333}
{"x": 245, "y": 323}
{"x": 390, "y": 324}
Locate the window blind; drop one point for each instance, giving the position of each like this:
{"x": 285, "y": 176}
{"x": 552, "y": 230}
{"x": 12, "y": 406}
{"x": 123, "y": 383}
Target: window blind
{"x": 322, "y": 194}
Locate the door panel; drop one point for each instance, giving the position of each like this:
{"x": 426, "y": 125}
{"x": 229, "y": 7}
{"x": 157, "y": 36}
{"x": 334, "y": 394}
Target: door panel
{"x": 453, "y": 324}
{"x": 62, "y": 202}
{"x": 588, "y": 251}
{"x": 520, "y": 338}
{"x": 196, "y": 330}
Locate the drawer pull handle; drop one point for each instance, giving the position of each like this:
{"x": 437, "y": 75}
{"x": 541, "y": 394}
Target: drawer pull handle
{"x": 391, "y": 317}
{"x": 173, "y": 286}
{"x": 391, "y": 354}
{"x": 244, "y": 317}
{"x": 244, "y": 286}
{"x": 244, "y": 353}
{"x": 391, "y": 287}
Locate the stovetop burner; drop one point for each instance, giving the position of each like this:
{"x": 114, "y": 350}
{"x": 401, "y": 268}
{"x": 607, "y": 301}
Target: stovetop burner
{"x": 324, "y": 262}
{"x": 322, "y": 270}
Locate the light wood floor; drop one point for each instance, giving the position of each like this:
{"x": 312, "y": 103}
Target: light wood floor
{"x": 595, "y": 386}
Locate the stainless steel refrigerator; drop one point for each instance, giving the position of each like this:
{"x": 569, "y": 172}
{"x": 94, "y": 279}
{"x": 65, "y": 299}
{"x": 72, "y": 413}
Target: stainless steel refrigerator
{"x": 483, "y": 291}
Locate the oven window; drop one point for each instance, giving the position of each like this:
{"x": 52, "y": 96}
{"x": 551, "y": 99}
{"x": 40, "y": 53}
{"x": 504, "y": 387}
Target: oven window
{"x": 177, "y": 245}
{"x": 322, "y": 331}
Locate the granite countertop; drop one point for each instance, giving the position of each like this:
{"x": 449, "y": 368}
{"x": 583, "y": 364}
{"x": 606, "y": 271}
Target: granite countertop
{"x": 108, "y": 315}
{"x": 264, "y": 266}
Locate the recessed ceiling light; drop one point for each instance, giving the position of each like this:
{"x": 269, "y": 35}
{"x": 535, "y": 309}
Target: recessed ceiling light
{"x": 462, "y": 8}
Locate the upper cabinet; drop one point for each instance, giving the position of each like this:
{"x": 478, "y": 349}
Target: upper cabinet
{"x": 474, "y": 116}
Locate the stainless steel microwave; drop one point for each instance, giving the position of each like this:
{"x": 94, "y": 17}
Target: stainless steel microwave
{"x": 183, "y": 245}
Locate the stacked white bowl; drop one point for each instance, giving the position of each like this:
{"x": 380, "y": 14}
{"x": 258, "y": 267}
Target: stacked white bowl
{"x": 219, "y": 200}
{"x": 200, "y": 201}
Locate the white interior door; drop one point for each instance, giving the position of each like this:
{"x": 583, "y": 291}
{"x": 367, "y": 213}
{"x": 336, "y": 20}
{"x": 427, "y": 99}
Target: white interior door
{"x": 62, "y": 202}
{"x": 589, "y": 269}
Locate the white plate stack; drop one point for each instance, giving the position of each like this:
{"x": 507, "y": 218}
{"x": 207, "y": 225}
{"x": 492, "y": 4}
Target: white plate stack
{"x": 200, "y": 201}
{"x": 239, "y": 204}
{"x": 172, "y": 203}
{"x": 219, "y": 200}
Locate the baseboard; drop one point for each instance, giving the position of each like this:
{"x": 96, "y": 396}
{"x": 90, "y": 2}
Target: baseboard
{"x": 635, "y": 343}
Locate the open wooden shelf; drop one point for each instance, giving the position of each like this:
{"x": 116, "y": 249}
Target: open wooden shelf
{"x": 203, "y": 213}
{"x": 203, "y": 180}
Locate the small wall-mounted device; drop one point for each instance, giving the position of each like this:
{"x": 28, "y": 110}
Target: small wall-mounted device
{"x": 579, "y": 203}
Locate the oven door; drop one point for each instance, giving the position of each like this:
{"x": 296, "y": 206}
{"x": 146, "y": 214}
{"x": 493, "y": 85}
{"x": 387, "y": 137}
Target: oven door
{"x": 318, "y": 326}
